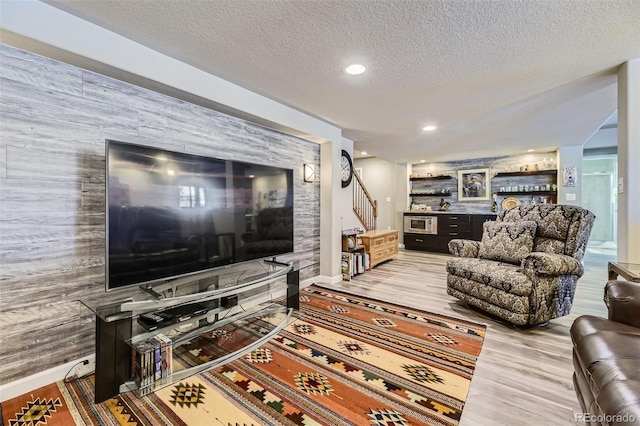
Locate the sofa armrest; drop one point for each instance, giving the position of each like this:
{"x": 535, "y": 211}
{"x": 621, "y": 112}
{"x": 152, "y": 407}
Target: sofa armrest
{"x": 623, "y": 301}
{"x": 464, "y": 248}
{"x": 541, "y": 263}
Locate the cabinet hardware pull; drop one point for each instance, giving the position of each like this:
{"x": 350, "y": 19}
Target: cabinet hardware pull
{"x": 418, "y": 240}
{"x": 453, "y": 233}
{"x": 453, "y": 226}
{"x": 454, "y": 217}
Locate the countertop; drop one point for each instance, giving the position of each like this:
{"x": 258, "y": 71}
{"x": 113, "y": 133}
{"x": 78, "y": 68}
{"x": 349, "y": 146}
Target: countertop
{"x": 425, "y": 212}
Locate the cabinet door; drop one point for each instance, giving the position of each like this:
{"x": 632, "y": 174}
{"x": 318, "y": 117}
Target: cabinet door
{"x": 420, "y": 242}
{"x": 446, "y": 236}
{"x": 477, "y": 221}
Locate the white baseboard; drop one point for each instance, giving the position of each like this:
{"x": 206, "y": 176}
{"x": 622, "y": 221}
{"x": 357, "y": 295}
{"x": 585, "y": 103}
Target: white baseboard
{"x": 43, "y": 378}
{"x": 308, "y": 281}
{"x": 329, "y": 280}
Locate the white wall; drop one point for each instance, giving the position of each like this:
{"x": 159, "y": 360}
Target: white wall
{"x": 570, "y": 156}
{"x": 388, "y": 183}
{"x": 403, "y": 171}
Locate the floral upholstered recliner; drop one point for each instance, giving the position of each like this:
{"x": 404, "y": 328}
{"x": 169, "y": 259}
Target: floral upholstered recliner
{"x": 527, "y": 265}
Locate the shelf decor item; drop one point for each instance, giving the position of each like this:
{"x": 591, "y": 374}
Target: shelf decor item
{"x": 509, "y": 203}
{"x": 474, "y": 185}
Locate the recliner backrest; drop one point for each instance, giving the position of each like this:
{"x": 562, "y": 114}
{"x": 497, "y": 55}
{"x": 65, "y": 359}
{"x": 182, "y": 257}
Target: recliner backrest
{"x": 562, "y": 229}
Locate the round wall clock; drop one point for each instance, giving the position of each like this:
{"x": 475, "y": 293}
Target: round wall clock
{"x": 346, "y": 169}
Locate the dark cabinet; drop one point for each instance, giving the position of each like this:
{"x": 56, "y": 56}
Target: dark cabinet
{"x": 450, "y": 226}
{"x": 425, "y": 242}
{"x": 477, "y": 221}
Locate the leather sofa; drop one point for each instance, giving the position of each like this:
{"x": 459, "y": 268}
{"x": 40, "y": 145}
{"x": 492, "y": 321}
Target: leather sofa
{"x": 606, "y": 357}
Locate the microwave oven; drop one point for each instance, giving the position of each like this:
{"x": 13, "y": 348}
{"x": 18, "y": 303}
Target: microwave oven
{"x": 421, "y": 224}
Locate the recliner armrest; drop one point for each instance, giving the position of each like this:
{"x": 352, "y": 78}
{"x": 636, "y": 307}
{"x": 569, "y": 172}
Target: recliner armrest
{"x": 623, "y": 301}
{"x": 464, "y": 248}
{"x": 541, "y": 263}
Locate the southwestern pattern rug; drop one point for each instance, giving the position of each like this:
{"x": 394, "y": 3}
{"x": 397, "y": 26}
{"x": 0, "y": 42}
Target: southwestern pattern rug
{"x": 348, "y": 360}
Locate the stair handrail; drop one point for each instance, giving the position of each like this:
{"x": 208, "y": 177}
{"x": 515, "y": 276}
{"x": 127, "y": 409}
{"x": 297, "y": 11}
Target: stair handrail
{"x": 364, "y": 206}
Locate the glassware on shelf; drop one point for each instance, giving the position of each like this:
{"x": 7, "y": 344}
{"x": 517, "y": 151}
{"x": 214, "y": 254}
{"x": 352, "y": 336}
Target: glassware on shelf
{"x": 549, "y": 163}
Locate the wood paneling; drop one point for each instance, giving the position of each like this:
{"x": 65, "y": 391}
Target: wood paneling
{"x": 54, "y": 121}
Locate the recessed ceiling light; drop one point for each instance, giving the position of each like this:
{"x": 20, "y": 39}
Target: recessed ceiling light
{"x": 429, "y": 128}
{"x": 423, "y": 161}
{"x": 530, "y": 150}
{"x": 363, "y": 152}
{"x": 355, "y": 69}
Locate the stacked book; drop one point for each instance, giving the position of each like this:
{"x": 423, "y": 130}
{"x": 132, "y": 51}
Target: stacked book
{"x": 360, "y": 263}
{"x": 152, "y": 363}
{"x": 353, "y": 264}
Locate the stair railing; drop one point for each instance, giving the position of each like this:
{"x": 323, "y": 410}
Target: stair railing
{"x": 364, "y": 206}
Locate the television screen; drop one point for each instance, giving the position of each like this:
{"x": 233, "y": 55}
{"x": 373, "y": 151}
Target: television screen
{"x": 170, "y": 213}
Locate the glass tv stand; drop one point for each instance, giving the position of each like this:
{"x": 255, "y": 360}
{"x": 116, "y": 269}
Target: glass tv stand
{"x": 145, "y": 337}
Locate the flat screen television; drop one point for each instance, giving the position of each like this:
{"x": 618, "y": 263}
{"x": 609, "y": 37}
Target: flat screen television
{"x": 171, "y": 214}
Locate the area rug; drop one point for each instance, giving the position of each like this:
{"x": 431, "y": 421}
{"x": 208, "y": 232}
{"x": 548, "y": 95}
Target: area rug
{"x": 348, "y": 360}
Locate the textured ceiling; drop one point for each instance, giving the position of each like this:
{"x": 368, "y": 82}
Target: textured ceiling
{"x": 496, "y": 77}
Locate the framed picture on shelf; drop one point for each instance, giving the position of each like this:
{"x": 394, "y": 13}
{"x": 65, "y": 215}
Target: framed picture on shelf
{"x": 474, "y": 185}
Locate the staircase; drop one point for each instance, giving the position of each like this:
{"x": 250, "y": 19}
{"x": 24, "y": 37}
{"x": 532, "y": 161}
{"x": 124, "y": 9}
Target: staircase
{"x": 364, "y": 206}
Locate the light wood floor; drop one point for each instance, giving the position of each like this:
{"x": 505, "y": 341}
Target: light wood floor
{"x": 523, "y": 376}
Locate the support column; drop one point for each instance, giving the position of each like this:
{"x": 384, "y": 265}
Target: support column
{"x": 330, "y": 229}
{"x": 628, "y": 162}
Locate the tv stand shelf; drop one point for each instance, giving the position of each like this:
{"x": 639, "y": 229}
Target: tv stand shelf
{"x": 124, "y": 345}
{"x": 225, "y": 340}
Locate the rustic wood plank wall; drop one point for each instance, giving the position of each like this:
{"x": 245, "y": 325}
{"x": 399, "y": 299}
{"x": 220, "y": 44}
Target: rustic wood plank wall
{"x": 54, "y": 121}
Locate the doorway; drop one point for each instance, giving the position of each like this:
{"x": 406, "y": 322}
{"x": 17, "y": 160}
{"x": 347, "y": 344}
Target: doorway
{"x": 600, "y": 196}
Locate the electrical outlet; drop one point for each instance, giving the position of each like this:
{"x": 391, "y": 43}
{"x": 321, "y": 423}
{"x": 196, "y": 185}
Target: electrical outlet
{"x": 86, "y": 368}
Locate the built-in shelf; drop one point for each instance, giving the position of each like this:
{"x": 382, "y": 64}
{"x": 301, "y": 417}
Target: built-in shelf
{"x": 528, "y": 173}
{"x": 527, "y": 193}
{"x": 350, "y": 242}
{"x": 441, "y": 177}
{"x": 439, "y": 194}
